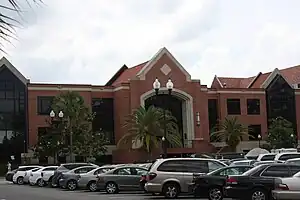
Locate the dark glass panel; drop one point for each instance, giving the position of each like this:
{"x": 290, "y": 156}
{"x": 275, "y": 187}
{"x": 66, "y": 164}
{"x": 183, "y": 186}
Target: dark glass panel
{"x": 44, "y": 104}
{"x": 7, "y": 106}
{"x": 254, "y": 131}
{"x": 104, "y": 117}
{"x": 213, "y": 114}
{"x": 233, "y": 107}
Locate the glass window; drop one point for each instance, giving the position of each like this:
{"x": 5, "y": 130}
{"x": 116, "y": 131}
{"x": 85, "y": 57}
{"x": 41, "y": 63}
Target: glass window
{"x": 214, "y": 166}
{"x": 140, "y": 172}
{"x": 288, "y": 156}
{"x": 83, "y": 170}
{"x": 230, "y": 171}
{"x": 196, "y": 166}
{"x": 44, "y": 105}
{"x": 253, "y": 106}
{"x": 172, "y": 166}
{"x": 233, "y": 107}
{"x": 7, "y": 106}
{"x": 254, "y": 131}
{"x": 276, "y": 171}
{"x": 268, "y": 157}
{"x": 213, "y": 114}
{"x": 294, "y": 169}
{"x": 123, "y": 171}
{"x": 50, "y": 169}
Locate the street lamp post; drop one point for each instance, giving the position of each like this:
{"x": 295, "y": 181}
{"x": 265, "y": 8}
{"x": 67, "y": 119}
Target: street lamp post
{"x": 259, "y": 138}
{"x": 156, "y": 87}
{"x": 61, "y": 116}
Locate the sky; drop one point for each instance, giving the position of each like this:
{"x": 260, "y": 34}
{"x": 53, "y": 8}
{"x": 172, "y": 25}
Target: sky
{"x": 86, "y": 42}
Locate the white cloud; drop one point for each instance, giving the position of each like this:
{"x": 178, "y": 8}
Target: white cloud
{"x": 72, "y": 41}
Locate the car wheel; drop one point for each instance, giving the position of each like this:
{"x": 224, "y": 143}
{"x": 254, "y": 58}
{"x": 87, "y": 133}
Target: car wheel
{"x": 215, "y": 194}
{"x": 71, "y": 185}
{"x": 171, "y": 190}
{"x": 40, "y": 183}
{"x": 259, "y": 194}
{"x": 20, "y": 181}
{"x": 111, "y": 188}
{"x": 92, "y": 186}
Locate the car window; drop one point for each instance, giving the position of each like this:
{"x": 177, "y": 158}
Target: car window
{"x": 212, "y": 166}
{"x": 172, "y": 166}
{"x": 140, "y": 172}
{"x": 295, "y": 162}
{"x": 73, "y": 166}
{"x": 196, "y": 166}
{"x": 34, "y": 170}
{"x": 83, "y": 170}
{"x": 294, "y": 169}
{"x": 50, "y": 169}
{"x": 288, "y": 156}
{"x": 102, "y": 170}
{"x": 267, "y": 157}
{"x": 123, "y": 171}
{"x": 276, "y": 171}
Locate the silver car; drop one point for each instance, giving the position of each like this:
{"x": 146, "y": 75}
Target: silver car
{"x": 287, "y": 188}
{"x": 125, "y": 178}
{"x": 174, "y": 175}
{"x": 89, "y": 180}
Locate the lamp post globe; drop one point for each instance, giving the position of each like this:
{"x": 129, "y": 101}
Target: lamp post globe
{"x": 170, "y": 85}
{"x": 163, "y": 139}
{"x": 259, "y": 136}
{"x": 156, "y": 85}
{"x": 52, "y": 114}
{"x": 60, "y": 114}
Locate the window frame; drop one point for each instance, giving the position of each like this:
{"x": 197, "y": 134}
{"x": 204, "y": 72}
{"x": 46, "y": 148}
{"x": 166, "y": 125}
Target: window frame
{"x": 40, "y": 104}
{"x": 253, "y": 111}
{"x": 230, "y": 108}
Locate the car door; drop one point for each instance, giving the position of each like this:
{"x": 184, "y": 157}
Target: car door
{"x": 136, "y": 174}
{"x": 191, "y": 167}
{"x": 123, "y": 177}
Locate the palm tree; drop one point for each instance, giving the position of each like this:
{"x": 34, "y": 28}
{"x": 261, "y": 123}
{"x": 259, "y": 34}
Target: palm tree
{"x": 7, "y": 22}
{"x": 146, "y": 127}
{"x": 231, "y": 132}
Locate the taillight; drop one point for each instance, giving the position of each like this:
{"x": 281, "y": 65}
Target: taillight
{"x": 281, "y": 186}
{"x": 151, "y": 176}
{"x": 231, "y": 180}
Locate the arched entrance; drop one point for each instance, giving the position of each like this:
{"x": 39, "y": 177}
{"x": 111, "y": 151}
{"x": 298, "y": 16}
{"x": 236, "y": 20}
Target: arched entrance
{"x": 180, "y": 104}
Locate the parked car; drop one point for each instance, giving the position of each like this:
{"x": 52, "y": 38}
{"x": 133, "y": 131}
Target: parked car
{"x": 28, "y": 174}
{"x": 89, "y": 179}
{"x": 243, "y": 162}
{"x": 258, "y": 182}
{"x": 173, "y": 176}
{"x": 64, "y": 168}
{"x": 282, "y": 157}
{"x": 47, "y": 176}
{"x": 211, "y": 185}
{"x": 69, "y": 179}
{"x": 287, "y": 188}
{"x": 125, "y": 178}
{"x": 295, "y": 161}
{"x": 9, "y": 175}
{"x": 266, "y": 157}
{"x": 36, "y": 177}
{"x": 18, "y": 177}
{"x": 263, "y": 162}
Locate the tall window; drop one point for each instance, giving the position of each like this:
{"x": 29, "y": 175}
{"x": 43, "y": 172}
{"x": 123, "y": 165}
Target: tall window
{"x": 254, "y": 131}
{"x": 213, "y": 115}
{"x": 104, "y": 117}
{"x": 233, "y": 107}
{"x": 44, "y": 104}
{"x": 253, "y": 106}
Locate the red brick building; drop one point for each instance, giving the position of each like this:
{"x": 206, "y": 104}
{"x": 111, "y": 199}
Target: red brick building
{"x": 253, "y": 100}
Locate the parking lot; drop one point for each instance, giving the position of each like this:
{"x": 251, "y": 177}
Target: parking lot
{"x": 9, "y": 191}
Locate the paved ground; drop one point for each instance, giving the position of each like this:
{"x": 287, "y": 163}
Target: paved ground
{"x": 10, "y": 191}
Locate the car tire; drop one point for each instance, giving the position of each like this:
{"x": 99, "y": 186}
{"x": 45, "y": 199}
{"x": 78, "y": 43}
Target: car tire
{"x": 258, "y": 193}
{"x": 111, "y": 188}
{"x": 20, "y": 180}
{"x": 71, "y": 185}
{"x": 215, "y": 193}
{"x": 40, "y": 182}
{"x": 171, "y": 190}
{"x": 92, "y": 186}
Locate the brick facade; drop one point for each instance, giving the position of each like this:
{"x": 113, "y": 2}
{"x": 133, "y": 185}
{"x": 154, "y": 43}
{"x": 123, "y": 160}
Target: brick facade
{"x": 131, "y": 86}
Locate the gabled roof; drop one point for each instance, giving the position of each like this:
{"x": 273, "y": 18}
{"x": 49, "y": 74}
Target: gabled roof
{"x": 5, "y": 63}
{"x": 291, "y": 75}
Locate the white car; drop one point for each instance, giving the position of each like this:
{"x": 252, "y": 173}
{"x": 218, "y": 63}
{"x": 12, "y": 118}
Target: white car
{"x": 36, "y": 177}
{"x": 47, "y": 175}
{"x": 18, "y": 177}
{"x": 28, "y": 173}
{"x": 287, "y": 188}
{"x": 282, "y": 157}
